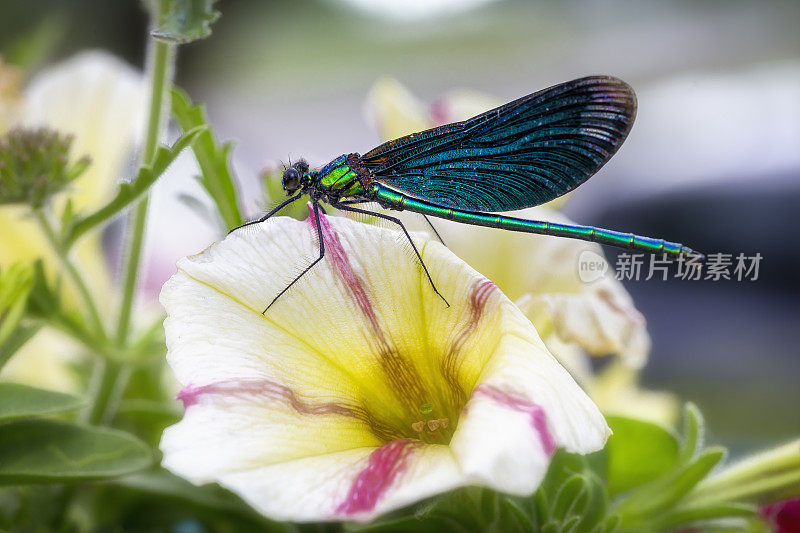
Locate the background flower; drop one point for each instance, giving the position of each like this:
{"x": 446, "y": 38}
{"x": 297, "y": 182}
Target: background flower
{"x": 359, "y": 391}
{"x": 99, "y": 100}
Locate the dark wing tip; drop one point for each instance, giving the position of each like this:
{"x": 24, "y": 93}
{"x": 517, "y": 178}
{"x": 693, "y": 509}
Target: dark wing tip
{"x": 523, "y": 153}
{"x": 611, "y": 85}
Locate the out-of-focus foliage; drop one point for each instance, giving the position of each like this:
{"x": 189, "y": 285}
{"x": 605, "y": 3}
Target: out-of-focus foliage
{"x": 129, "y": 192}
{"x": 184, "y": 21}
{"x": 21, "y": 401}
{"x": 48, "y": 451}
{"x": 16, "y": 283}
{"x": 214, "y": 159}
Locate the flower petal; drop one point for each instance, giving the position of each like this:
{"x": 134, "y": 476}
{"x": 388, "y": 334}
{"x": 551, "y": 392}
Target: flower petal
{"x": 316, "y": 409}
{"x": 524, "y": 407}
{"x": 616, "y": 390}
{"x": 541, "y": 274}
{"x": 356, "y": 484}
{"x": 600, "y": 319}
{"x": 394, "y": 111}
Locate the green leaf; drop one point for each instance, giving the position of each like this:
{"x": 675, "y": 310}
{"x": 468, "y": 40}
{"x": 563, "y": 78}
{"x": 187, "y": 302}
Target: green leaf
{"x": 16, "y": 283}
{"x": 553, "y": 527}
{"x": 511, "y": 508}
{"x": 766, "y": 476}
{"x": 186, "y": 21}
{"x": 660, "y": 495}
{"x": 409, "y": 524}
{"x": 46, "y": 451}
{"x": 20, "y": 401}
{"x": 16, "y": 341}
{"x": 571, "y": 498}
{"x": 688, "y": 477}
{"x": 488, "y": 504}
{"x": 637, "y": 452}
{"x": 44, "y": 300}
{"x": 695, "y": 515}
{"x": 694, "y": 430}
{"x": 44, "y": 304}
{"x": 129, "y": 192}
{"x": 167, "y": 485}
{"x": 213, "y": 158}
{"x": 671, "y": 500}
{"x": 611, "y": 524}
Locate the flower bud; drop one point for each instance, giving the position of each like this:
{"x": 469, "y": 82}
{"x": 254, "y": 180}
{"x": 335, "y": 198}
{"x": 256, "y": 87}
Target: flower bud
{"x": 34, "y": 165}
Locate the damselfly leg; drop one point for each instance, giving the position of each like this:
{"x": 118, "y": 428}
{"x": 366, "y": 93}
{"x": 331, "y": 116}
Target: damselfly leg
{"x": 309, "y": 267}
{"x": 272, "y": 212}
{"x": 397, "y": 221}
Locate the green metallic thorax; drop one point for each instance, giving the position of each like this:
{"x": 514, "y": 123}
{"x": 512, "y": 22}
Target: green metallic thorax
{"x": 337, "y": 177}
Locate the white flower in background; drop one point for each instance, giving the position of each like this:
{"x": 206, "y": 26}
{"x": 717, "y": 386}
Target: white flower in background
{"x": 573, "y": 315}
{"x": 100, "y": 101}
{"x": 412, "y": 10}
{"x": 359, "y": 391}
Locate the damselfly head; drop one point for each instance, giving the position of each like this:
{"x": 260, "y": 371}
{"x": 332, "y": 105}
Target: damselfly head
{"x": 301, "y": 165}
{"x": 294, "y": 176}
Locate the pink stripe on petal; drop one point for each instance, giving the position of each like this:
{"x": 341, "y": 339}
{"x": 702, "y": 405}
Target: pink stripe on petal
{"x": 260, "y": 389}
{"x": 479, "y": 295}
{"x": 335, "y": 250}
{"x": 383, "y": 467}
{"x": 189, "y": 395}
{"x": 538, "y": 418}
{"x": 400, "y": 372}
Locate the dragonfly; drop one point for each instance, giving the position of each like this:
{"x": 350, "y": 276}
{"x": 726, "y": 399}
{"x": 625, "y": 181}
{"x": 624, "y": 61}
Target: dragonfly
{"x": 521, "y": 154}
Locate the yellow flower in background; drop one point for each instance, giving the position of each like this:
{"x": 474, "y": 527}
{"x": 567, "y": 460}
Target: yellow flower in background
{"x": 616, "y": 389}
{"x": 541, "y": 274}
{"x": 359, "y": 391}
{"x": 100, "y": 101}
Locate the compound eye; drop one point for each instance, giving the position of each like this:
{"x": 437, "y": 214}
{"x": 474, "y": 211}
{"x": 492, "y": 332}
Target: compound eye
{"x": 291, "y": 179}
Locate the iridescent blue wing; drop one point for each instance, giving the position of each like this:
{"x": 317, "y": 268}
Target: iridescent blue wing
{"x": 521, "y": 154}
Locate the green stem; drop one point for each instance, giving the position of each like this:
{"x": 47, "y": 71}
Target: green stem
{"x": 111, "y": 381}
{"x": 74, "y": 274}
{"x": 114, "y": 375}
{"x": 161, "y": 61}
{"x": 764, "y": 477}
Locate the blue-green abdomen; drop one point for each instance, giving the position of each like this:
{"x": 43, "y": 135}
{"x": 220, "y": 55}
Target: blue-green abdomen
{"x": 573, "y": 231}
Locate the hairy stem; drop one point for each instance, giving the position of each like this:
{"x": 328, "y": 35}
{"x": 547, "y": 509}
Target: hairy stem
{"x": 74, "y": 274}
{"x": 113, "y": 375}
{"x": 162, "y": 57}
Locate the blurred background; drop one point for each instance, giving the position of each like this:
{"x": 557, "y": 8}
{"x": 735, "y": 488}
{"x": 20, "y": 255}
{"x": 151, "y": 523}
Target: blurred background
{"x": 713, "y": 159}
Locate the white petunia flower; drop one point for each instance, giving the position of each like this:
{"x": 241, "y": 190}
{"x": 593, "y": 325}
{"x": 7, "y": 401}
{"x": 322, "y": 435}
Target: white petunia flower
{"x": 359, "y": 391}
